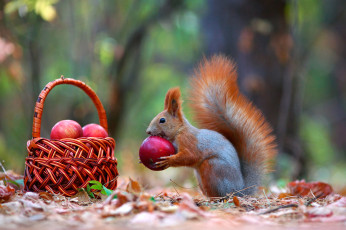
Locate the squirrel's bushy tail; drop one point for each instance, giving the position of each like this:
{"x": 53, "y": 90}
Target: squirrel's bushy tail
{"x": 218, "y": 105}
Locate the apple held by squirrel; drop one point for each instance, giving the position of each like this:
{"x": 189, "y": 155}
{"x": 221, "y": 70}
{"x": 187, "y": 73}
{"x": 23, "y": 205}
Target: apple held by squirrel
{"x": 231, "y": 149}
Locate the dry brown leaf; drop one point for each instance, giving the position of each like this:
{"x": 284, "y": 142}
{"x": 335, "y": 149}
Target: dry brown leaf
{"x": 81, "y": 198}
{"x": 147, "y": 206}
{"x": 236, "y": 201}
{"x": 189, "y": 207}
{"x": 284, "y": 195}
{"x": 123, "y": 197}
{"x": 144, "y": 196}
{"x": 133, "y": 187}
{"x": 123, "y": 210}
{"x": 46, "y": 196}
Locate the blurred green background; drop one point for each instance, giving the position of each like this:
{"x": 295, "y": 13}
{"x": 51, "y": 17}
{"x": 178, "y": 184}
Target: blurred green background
{"x": 290, "y": 57}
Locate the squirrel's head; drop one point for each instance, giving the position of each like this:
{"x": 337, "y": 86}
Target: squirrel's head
{"x": 167, "y": 123}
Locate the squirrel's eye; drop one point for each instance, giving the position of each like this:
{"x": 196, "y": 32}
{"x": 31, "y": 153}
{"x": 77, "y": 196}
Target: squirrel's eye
{"x": 162, "y": 120}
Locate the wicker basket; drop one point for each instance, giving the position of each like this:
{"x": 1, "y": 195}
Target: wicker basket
{"x": 64, "y": 166}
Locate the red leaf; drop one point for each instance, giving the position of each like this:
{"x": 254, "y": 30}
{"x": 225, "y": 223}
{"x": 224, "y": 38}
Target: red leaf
{"x": 302, "y": 188}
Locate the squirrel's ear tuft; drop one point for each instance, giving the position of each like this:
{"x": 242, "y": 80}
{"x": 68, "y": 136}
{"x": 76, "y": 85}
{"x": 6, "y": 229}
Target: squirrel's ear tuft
{"x": 173, "y": 103}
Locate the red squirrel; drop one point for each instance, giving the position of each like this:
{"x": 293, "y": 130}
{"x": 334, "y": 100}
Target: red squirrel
{"x": 231, "y": 149}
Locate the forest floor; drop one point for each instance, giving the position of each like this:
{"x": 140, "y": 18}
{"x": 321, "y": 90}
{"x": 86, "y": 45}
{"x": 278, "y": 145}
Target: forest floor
{"x": 129, "y": 207}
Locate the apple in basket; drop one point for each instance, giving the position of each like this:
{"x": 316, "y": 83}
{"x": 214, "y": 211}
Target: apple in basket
{"x": 66, "y": 129}
{"x": 94, "y": 130}
{"x": 152, "y": 149}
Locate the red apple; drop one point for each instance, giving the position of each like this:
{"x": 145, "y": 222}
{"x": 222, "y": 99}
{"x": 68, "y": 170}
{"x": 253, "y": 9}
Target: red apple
{"x": 66, "y": 129}
{"x": 152, "y": 149}
{"x": 94, "y": 130}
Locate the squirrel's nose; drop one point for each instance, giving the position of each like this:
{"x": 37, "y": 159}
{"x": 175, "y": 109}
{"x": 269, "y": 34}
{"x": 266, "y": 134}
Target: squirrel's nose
{"x": 148, "y": 132}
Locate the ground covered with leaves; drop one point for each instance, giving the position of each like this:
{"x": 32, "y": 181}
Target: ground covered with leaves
{"x": 302, "y": 205}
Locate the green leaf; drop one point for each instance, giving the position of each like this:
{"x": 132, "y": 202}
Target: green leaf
{"x": 152, "y": 199}
{"x": 88, "y": 188}
{"x": 12, "y": 182}
{"x": 89, "y": 191}
{"x": 106, "y": 191}
{"x": 96, "y": 186}
{"x": 95, "y": 182}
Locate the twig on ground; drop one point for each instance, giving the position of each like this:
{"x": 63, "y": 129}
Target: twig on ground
{"x": 266, "y": 198}
{"x": 280, "y": 207}
{"x": 174, "y": 187}
{"x": 228, "y": 196}
{"x": 183, "y": 186}
{"x": 309, "y": 202}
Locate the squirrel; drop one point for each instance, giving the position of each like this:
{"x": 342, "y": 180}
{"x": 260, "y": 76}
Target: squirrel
{"x": 231, "y": 150}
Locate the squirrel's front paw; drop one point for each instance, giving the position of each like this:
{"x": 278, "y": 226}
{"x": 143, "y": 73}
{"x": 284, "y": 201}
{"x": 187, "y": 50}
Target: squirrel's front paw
{"x": 164, "y": 162}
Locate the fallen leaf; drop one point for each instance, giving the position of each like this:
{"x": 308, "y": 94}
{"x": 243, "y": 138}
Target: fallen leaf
{"x": 111, "y": 197}
{"x": 236, "y": 201}
{"x": 123, "y": 210}
{"x": 46, "y": 196}
{"x": 284, "y": 195}
{"x": 146, "y": 196}
{"x": 188, "y": 206}
{"x": 133, "y": 187}
{"x": 81, "y": 198}
{"x": 6, "y": 192}
{"x": 302, "y": 188}
{"x": 122, "y": 198}
{"x": 145, "y": 206}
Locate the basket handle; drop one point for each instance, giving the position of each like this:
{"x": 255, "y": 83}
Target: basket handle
{"x": 36, "y": 127}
